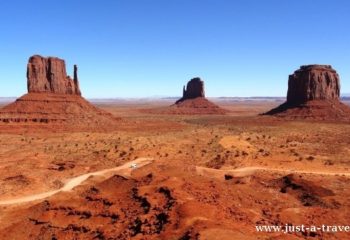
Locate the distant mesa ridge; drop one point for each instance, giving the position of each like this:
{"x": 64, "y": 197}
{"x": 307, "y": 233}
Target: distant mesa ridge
{"x": 313, "y": 92}
{"x": 49, "y": 75}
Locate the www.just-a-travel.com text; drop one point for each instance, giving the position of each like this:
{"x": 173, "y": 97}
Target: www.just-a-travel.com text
{"x": 302, "y": 228}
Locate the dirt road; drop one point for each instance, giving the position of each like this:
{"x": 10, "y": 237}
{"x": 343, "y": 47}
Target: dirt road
{"x": 124, "y": 169}
{"x": 247, "y": 171}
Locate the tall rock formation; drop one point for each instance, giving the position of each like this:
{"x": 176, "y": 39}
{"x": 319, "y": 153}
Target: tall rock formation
{"x": 313, "y": 93}
{"x": 194, "y": 89}
{"x": 49, "y": 75}
{"x": 76, "y": 81}
{"x": 313, "y": 82}
{"x": 193, "y": 101}
{"x": 54, "y": 98}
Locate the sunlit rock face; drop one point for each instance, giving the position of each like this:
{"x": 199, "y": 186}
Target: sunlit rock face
{"x": 313, "y": 82}
{"x": 49, "y": 75}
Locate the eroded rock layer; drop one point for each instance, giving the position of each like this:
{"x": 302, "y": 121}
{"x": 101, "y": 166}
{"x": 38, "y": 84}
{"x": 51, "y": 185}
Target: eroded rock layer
{"x": 54, "y": 108}
{"x": 193, "y": 101}
{"x": 313, "y": 93}
{"x": 194, "y": 89}
{"x": 53, "y": 97}
{"x": 313, "y": 82}
{"x": 49, "y": 75}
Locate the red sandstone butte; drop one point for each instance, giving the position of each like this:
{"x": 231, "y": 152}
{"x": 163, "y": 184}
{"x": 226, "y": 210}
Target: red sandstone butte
{"x": 55, "y": 98}
{"x": 313, "y": 93}
{"x": 194, "y": 89}
{"x": 193, "y": 101}
{"x": 49, "y": 75}
{"x": 313, "y": 82}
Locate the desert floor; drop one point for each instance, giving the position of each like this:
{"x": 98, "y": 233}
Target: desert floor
{"x": 205, "y": 177}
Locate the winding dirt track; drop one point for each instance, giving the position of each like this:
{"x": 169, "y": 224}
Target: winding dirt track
{"x": 247, "y": 171}
{"x": 126, "y": 169}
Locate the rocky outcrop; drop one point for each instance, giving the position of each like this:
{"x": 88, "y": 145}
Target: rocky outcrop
{"x": 54, "y": 99}
{"x": 76, "y": 81}
{"x": 313, "y": 82}
{"x": 193, "y": 101}
{"x": 194, "y": 89}
{"x": 49, "y": 75}
{"x": 313, "y": 93}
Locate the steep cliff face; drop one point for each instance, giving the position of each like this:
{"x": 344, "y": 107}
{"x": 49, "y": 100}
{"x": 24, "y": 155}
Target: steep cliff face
{"x": 49, "y": 75}
{"x": 194, "y": 89}
{"x": 313, "y": 82}
{"x": 54, "y": 98}
{"x": 193, "y": 101}
{"x": 313, "y": 93}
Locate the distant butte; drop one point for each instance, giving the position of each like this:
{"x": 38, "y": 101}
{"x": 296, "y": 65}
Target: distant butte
{"x": 193, "y": 101}
{"x": 53, "y": 97}
{"x": 194, "y": 89}
{"x": 313, "y": 93}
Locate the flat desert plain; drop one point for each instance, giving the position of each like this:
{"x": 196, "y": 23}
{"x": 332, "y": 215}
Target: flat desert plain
{"x": 159, "y": 176}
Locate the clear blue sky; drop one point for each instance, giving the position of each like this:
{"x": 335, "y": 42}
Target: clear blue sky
{"x": 140, "y": 48}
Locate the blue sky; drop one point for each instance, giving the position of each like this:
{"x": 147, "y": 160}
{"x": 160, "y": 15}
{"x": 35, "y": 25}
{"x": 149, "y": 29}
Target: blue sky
{"x": 142, "y": 48}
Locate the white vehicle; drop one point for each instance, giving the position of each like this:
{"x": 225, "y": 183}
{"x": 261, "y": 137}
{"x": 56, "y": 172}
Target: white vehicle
{"x": 133, "y": 165}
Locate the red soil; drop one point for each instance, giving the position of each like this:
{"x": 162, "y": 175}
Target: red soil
{"x": 314, "y": 110}
{"x": 48, "y": 108}
{"x": 193, "y": 106}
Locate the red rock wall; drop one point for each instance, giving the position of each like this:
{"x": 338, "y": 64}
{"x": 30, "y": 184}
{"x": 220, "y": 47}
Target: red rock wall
{"x": 194, "y": 89}
{"x": 313, "y": 82}
{"x": 49, "y": 75}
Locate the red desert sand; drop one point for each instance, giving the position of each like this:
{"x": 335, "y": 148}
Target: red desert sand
{"x": 122, "y": 173}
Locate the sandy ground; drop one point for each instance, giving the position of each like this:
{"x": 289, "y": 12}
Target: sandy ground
{"x": 124, "y": 170}
{"x": 213, "y": 177}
